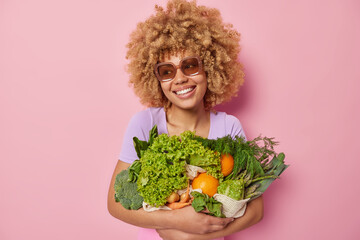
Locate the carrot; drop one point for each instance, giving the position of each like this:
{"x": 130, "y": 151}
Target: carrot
{"x": 186, "y": 198}
{"x": 177, "y": 205}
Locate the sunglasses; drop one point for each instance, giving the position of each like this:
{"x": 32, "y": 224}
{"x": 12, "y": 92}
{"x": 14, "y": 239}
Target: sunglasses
{"x": 189, "y": 66}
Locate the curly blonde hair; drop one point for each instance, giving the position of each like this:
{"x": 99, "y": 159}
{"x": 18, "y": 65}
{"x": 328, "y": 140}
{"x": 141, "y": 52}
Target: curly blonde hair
{"x": 185, "y": 26}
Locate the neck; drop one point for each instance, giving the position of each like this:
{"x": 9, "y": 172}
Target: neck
{"x": 187, "y": 119}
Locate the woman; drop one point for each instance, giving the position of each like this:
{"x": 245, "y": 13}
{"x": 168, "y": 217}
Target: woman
{"x": 183, "y": 62}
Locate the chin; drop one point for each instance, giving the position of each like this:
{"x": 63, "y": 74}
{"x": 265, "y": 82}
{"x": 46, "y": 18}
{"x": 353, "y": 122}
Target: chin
{"x": 188, "y": 106}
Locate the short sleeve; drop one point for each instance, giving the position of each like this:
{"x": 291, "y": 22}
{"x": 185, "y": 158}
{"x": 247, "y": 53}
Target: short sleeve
{"x": 223, "y": 124}
{"x": 139, "y": 126}
{"x": 233, "y": 127}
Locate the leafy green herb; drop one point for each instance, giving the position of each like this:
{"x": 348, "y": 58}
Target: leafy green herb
{"x": 134, "y": 171}
{"x": 153, "y": 134}
{"x": 204, "y": 202}
{"x": 278, "y": 166}
{"x": 141, "y": 146}
{"x": 252, "y": 162}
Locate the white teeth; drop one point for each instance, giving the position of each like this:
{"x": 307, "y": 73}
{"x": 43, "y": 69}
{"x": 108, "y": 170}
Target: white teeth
{"x": 184, "y": 91}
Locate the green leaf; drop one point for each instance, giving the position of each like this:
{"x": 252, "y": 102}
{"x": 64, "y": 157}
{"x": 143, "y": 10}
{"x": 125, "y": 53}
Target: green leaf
{"x": 214, "y": 207}
{"x": 202, "y": 202}
{"x": 199, "y": 202}
{"x": 140, "y": 146}
{"x": 152, "y": 135}
{"x": 276, "y": 170}
{"x": 134, "y": 171}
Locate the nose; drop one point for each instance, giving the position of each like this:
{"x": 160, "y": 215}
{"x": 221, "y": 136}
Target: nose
{"x": 180, "y": 77}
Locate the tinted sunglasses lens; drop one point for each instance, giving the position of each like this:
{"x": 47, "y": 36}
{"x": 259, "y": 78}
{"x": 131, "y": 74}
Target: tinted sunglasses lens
{"x": 166, "y": 72}
{"x": 190, "y": 66}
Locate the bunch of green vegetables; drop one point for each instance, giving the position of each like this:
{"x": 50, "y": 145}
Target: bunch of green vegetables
{"x": 161, "y": 169}
{"x": 256, "y": 165}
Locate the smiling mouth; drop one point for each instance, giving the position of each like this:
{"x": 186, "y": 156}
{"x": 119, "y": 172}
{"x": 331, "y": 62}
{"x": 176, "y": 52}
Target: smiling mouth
{"x": 184, "y": 91}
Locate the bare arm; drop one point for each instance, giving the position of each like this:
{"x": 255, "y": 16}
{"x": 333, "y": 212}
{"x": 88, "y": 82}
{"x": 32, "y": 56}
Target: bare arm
{"x": 185, "y": 219}
{"x": 253, "y": 214}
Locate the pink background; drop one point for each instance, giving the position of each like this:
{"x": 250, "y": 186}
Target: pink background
{"x": 65, "y": 104}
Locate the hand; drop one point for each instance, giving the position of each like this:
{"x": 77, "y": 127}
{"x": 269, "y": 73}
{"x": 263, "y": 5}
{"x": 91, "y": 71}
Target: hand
{"x": 189, "y": 221}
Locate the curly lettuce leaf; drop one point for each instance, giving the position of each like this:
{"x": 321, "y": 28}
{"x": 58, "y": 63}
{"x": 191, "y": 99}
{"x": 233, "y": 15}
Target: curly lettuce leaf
{"x": 162, "y": 170}
{"x": 163, "y": 165}
{"x": 232, "y": 188}
{"x": 201, "y": 156}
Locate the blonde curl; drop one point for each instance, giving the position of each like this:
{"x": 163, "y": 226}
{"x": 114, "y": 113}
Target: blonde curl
{"x": 185, "y": 26}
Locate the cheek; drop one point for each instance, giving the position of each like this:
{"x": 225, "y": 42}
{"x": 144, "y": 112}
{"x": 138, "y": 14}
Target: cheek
{"x": 165, "y": 88}
{"x": 202, "y": 82}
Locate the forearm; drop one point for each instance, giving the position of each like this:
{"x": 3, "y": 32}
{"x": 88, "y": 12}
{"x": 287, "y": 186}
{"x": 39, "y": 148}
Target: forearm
{"x": 140, "y": 218}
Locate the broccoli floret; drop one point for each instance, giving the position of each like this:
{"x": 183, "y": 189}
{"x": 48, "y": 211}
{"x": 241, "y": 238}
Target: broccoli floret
{"x": 126, "y": 203}
{"x": 126, "y": 192}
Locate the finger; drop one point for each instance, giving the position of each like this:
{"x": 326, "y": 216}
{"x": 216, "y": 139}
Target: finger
{"x": 221, "y": 221}
{"x": 226, "y": 221}
{"x": 205, "y": 211}
{"x": 217, "y": 224}
{"x": 214, "y": 228}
